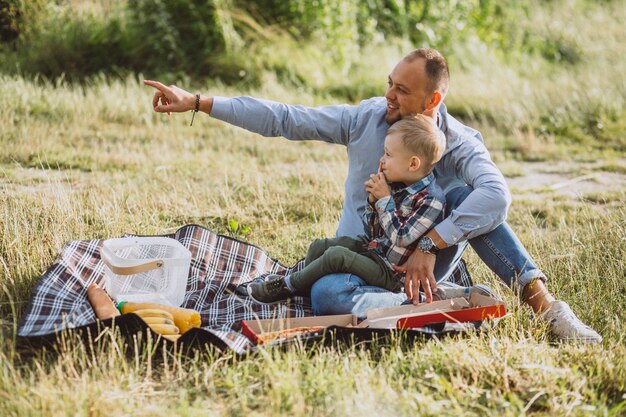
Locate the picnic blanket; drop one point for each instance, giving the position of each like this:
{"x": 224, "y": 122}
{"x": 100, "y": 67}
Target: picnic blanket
{"x": 219, "y": 265}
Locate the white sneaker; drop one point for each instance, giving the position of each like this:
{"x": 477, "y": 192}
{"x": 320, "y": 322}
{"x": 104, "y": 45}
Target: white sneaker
{"x": 566, "y": 326}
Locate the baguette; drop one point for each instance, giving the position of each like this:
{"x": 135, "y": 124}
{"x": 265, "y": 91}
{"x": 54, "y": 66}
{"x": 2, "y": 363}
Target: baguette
{"x": 102, "y": 305}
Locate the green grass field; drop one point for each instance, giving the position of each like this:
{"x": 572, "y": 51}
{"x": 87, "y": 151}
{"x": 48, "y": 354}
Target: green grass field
{"x": 91, "y": 160}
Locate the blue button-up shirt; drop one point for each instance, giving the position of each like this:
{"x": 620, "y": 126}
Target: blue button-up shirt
{"x": 362, "y": 129}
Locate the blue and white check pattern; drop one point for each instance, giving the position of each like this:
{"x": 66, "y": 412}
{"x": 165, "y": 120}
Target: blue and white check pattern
{"x": 395, "y": 223}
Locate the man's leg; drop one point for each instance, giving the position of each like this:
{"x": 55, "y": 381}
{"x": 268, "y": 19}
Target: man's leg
{"x": 448, "y": 258}
{"x": 499, "y": 249}
{"x": 506, "y": 256}
{"x": 349, "y": 294}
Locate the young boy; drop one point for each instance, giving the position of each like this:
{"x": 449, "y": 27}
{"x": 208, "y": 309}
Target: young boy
{"x": 397, "y": 215}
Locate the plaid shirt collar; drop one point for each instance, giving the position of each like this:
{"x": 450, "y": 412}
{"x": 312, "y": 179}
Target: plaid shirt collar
{"x": 416, "y": 187}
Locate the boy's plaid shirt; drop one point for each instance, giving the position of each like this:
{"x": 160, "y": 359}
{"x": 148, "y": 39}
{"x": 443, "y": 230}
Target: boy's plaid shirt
{"x": 395, "y": 223}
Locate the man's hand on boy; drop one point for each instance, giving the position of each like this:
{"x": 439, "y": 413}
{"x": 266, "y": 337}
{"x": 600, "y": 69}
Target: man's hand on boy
{"x": 419, "y": 272}
{"x": 419, "y": 269}
{"x": 377, "y": 186}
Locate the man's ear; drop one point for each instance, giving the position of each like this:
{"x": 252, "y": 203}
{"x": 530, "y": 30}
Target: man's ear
{"x": 415, "y": 163}
{"x": 433, "y": 104}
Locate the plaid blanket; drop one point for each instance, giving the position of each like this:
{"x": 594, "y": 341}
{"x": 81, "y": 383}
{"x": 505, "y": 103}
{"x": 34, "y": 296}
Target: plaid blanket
{"x": 219, "y": 265}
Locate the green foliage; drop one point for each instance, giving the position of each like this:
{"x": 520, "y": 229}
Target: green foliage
{"x": 15, "y": 16}
{"x": 10, "y": 20}
{"x": 339, "y": 26}
{"x": 64, "y": 42}
{"x": 164, "y": 36}
{"x": 179, "y": 35}
{"x": 214, "y": 37}
{"x": 235, "y": 228}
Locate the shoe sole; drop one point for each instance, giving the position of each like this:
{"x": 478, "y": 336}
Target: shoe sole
{"x": 590, "y": 341}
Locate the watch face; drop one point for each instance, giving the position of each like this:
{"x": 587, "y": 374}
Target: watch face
{"x": 425, "y": 244}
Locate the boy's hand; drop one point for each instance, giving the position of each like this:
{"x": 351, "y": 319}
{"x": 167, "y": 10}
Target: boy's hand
{"x": 377, "y": 186}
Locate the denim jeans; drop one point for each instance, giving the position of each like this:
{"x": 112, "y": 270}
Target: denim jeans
{"x": 499, "y": 249}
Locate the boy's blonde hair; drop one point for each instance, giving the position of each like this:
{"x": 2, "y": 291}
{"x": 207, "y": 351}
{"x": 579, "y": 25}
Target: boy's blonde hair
{"x": 420, "y": 135}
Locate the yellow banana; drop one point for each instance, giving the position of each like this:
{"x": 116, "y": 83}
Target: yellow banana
{"x": 172, "y": 337}
{"x": 184, "y": 318}
{"x": 165, "y": 329}
{"x": 157, "y": 320}
{"x": 154, "y": 312}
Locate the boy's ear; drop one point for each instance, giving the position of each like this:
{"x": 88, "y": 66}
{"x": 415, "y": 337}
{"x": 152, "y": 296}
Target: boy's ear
{"x": 415, "y": 163}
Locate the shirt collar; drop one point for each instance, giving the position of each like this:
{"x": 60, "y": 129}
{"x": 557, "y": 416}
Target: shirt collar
{"x": 441, "y": 117}
{"x": 418, "y": 186}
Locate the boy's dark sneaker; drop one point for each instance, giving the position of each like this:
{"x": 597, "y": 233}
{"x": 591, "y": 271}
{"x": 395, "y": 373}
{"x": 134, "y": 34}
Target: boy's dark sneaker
{"x": 270, "y": 291}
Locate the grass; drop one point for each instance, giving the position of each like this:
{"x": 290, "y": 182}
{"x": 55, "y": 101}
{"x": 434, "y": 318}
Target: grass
{"x": 91, "y": 160}
{"x": 88, "y": 172}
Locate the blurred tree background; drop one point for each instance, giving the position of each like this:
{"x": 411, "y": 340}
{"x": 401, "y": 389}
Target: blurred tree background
{"x": 344, "y": 49}
{"x": 234, "y": 39}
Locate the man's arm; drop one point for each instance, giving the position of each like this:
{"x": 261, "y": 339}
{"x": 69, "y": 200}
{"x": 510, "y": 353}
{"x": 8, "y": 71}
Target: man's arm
{"x": 486, "y": 207}
{"x": 268, "y": 118}
{"x": 330, "y": 124}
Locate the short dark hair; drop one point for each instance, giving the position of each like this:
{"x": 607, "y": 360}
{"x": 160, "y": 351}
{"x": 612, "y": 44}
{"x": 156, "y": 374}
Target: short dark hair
{"x": 436, "y": 68}
{"x": 422, "y": 137}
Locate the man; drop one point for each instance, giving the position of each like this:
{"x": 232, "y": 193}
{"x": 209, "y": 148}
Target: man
{"x": 476, "y": 192}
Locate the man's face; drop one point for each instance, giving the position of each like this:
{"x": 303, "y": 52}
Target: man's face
{"x": 406, "y": 93}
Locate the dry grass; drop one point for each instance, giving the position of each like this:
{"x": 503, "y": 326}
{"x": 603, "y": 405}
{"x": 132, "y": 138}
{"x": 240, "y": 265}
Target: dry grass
{"x": 93, "y": 161}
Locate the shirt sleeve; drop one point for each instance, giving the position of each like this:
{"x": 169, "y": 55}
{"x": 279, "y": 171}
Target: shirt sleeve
{"x": 330, "y": 124}
{"x": 403, "y": 229}
{"x": 370, "y": 220}
{"x": 486, "y": 207}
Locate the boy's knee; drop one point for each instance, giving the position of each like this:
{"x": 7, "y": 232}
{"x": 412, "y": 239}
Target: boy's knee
{"x": 337, "y": 257}
{"x": 316, "y": 249}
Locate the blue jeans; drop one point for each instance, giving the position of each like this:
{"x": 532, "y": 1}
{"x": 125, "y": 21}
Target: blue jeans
{"x": 499, "y": 249}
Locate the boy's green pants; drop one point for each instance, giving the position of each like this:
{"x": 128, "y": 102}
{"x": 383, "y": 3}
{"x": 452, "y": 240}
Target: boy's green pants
{"x": 347, "y": 255}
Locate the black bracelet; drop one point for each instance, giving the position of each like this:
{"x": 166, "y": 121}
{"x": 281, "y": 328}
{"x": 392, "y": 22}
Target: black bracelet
{"x": 196, "y": 110}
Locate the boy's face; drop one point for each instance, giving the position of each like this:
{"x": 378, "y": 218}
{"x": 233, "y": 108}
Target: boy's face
{"x": 396, "y": 160}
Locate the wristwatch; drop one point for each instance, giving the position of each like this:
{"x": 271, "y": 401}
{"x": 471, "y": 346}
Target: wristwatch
{"x": 426, "y": 245}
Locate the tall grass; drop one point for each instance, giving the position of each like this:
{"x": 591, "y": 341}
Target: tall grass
{"x": 74, "y": 166}
{"x": 91, "y": 160}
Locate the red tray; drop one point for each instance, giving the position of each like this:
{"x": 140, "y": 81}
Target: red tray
{"x": 453, "y": 316}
